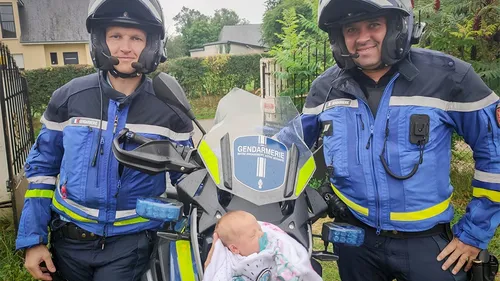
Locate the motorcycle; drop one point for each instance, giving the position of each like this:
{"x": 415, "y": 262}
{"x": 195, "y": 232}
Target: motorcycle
{"x": 253, "y": 159}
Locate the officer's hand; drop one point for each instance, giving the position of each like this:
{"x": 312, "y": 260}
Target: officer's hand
{"x": 460, "y": 252}
{"x": 34, "y": 257}
{"x": 211, "y": 252}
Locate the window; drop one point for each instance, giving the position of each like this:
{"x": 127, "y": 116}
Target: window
{"x": 19, "y": 58}
{"x": 7, "y": 21}
{"x": 53, "y": 58}
{"x": 70, "y": 58}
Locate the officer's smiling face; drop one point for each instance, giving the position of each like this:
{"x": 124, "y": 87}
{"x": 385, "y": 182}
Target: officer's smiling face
{"x": 365, "y": 38}
{"x": 126, "y": 44}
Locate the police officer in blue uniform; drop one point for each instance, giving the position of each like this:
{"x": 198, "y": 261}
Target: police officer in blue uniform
{"x": 387, "y": 112}
{"x": 77, "y": 187}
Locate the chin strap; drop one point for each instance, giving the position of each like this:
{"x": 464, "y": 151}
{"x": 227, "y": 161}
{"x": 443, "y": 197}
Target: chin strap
{"x": 380, "y": 66}
{"x": 118, "y": 74}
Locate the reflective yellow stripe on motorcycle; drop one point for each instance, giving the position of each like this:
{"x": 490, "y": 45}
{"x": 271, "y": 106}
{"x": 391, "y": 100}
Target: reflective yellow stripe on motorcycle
{"x": 305, "y": 174}
{"x": 210, "y": 160}
{"x": 422, "y": 214}
{"x": 186, "y": 269}
{"x": 490, "y": 194}
{"x": 130, "y": 221}
{"x": 70, "y": 213}
{"x": 358, "y": 208}
{"x": 39, "y": 193}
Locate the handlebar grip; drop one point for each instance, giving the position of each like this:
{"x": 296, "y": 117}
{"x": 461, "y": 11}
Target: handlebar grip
{"x": 477, "y": 271}
{"x": 137, "y": 138}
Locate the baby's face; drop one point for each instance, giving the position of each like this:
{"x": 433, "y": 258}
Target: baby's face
{"x": 248, "y": 242}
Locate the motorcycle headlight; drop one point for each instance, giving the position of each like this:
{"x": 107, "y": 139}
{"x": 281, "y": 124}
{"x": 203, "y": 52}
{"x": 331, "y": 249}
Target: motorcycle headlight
{"x": 160, "y": 209}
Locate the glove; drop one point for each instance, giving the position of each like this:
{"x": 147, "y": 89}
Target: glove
{"x": 336, "y": 208}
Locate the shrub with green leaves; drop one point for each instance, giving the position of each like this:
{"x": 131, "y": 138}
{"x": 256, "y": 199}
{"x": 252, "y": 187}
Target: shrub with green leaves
{"x": 215, "y": 75}
{"x": 302, "y": 52}
{"x": 467, "y": 29}
{"x": 44, "y": 81}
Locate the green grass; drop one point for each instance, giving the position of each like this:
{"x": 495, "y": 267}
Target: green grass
{"x": 11, "y": 262}
{"x": 330, "y": 270}
{"x": 205, "y": 107}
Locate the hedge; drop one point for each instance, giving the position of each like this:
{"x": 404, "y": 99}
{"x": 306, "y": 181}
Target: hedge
{"x": 44, "y": 81}
{"x": 198, "y": 76}
{"x": 215, "y": 75}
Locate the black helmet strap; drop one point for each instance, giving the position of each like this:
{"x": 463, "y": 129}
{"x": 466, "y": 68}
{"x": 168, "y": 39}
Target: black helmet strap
{"x": 117, "y": 74}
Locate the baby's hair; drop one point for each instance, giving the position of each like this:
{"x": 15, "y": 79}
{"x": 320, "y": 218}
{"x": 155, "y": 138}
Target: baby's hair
{"x": 227, "y": 232}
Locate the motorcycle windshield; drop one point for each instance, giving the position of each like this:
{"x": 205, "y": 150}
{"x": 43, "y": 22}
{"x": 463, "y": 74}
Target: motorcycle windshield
{"x": 256, "y": 149}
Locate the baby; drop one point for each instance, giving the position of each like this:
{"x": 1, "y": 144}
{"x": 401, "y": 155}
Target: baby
{"x": 240, "y": 232}
{"x": 258, "y": 251}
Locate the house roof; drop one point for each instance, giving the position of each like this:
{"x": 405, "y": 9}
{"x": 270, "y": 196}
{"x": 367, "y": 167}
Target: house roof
{"x": 52, "y": 21}
{"x": 226, "y": 42}
{"x": 249, "y": 34}
{"x": 197, "y": 50}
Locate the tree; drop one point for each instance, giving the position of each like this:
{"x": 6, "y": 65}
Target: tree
{"x": 466, "y": 29}
{"x": 298, "y": 37}
{"x": 186, "y": 17}
{"x": 176, "y": 47}
{"x": 224, "y": 17}
{"x": 272, "y": 18}
{"x": 194, "y": 28}
{"x": 271, "y": 4}
{"x": 198, "y": 29}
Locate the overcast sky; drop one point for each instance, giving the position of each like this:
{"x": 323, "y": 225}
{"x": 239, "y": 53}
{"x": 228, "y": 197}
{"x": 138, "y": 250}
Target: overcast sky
{"x": 252, "y": 10}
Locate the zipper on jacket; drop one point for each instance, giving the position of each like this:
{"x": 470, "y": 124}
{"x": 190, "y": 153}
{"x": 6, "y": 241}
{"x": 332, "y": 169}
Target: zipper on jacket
{"x": 115, "y": 123}
{"x": 94, "y": 158}
{"x": 108, "y": 194}
{"x": 102, "y": 145}
{"x": 368, "y": 146}
{"x": 118, "y": 186}
{"x": 490, "y": 130}
{"x": 358, "y": 139}
{"x": 377, "y": 203}
{"x": 377, "y": 199}
{"x": 370, "y": 138}
{"x": 387, "y": 154}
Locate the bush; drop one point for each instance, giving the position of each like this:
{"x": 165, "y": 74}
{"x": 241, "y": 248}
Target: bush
{"x": 44, "y": 81}
{"x": 215, "y": 75}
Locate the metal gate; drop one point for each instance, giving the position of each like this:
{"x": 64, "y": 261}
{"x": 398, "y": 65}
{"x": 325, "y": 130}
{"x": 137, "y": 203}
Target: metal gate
{"x": 17, "y": 125}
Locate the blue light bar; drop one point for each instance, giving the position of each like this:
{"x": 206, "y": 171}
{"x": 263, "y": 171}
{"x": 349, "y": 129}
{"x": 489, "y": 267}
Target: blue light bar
{"x": 343, "y": 233}
{"x": 158, "y": 208}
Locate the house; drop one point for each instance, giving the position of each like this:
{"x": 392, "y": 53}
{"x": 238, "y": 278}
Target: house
{"x": 234, "y": 40}
{"x": 42, "y": 33}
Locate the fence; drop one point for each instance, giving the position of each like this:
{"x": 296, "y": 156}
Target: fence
{"x": 295, "y": 79}
{"x": 17, "y": 124}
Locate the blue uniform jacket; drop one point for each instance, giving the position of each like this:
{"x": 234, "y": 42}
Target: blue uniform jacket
{"x": 454, "y": 98}
{"x": 100, "y": 197}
